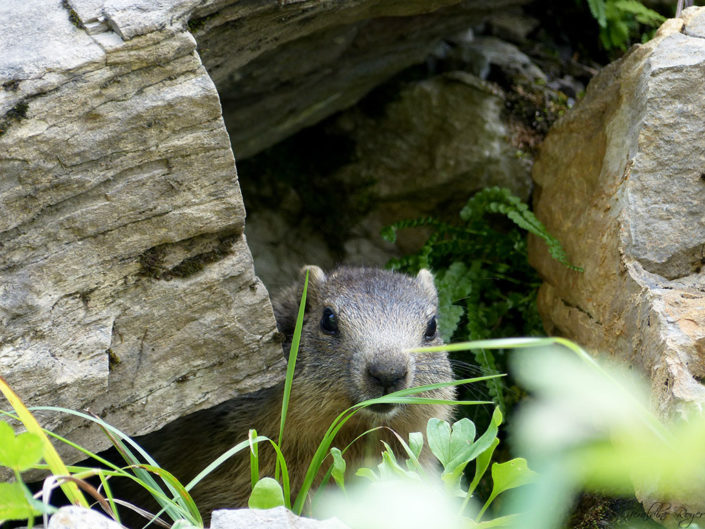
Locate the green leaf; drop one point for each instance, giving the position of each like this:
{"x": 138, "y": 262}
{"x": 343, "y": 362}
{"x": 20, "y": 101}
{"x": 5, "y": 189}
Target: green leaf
{"x": 266, "y": 494}
{"x": 506, "y": 476}
{"x": 643, "y": 14}
{"x": 511, "y": 474}
{"x": 453, "y": 284}
{"x": 51, "y": 456}
{"x": 183, "y": 524}
{"x": 338, "y": 471}
{"x": 293, "y": 354}
{"x": 367, "y": 473}
{"x": 416, "y": 443}
{"x": 461, "y": 441}
{"x": 178, "y": 489}
{"x": 14, "y": 504}
{"x": 254, "y": 457}
{"x": 454, "y": 447}
{"x": 438, "y": 435}
{"x": 20, "y": 452}
{"x": 597, "y": 8}
{"x": 490, "y": 434}
{"x": 510, "y": 520}
{"x": 389, "y": 234}
{"x": 482, "y": 463}
{"x": 470, "y": 452}
{"x": 390, "y": 468}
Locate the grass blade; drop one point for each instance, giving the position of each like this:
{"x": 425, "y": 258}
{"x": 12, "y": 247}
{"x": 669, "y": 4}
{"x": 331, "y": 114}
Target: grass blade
{"x": 51, "y": 456}
{"x": 291, "y": 364}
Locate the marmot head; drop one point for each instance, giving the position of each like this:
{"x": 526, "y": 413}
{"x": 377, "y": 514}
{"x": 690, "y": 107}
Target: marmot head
{"x": 358, "y": 324}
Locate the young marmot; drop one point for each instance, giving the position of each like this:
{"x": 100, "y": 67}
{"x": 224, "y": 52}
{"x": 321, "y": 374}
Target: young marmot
{"x": 357, "y": 325}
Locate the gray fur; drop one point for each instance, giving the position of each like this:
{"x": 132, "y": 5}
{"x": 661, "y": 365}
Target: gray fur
{"x": 380, "y": 314}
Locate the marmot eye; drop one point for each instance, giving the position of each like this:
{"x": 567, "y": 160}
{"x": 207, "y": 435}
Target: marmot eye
{"x": 431, "y": 330}
{"x": 329, "y": 322}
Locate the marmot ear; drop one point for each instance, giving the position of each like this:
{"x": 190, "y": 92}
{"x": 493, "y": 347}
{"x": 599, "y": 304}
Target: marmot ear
{"x": 316, "y": 280}
{"x": 425, "y": 279}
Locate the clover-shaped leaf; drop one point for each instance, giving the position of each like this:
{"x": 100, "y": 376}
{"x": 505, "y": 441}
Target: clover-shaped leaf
{"x": 20, "y": 452}
{"x": 266, "y": 494}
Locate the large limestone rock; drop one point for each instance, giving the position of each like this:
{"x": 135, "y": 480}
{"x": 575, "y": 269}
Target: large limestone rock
{"x": 621, "y": 183}
{"x": 126, "y": 285}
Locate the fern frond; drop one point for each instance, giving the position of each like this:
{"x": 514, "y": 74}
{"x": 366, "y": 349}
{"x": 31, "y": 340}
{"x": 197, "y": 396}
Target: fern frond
{"x": 598, "y": 10}
{"x": 643, "y": 14}
{"x": 495, "y": 386}
{"x": 501, "y": 200}
{"x": 454, "y": 284}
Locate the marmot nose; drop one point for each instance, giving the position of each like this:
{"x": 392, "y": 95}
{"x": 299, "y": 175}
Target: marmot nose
{"x": 390, "y": 377}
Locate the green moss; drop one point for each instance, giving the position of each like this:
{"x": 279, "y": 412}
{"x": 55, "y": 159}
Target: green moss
{"x": 152, "y": 262}
{"x": 536, "y": 105}
{"x": 16, "y": 113}
{"x": 11, "y": 85}
{"x": 195, "y": 264}
{"x": 196, "y": 24}
{"x": 19, "y": 111}
{"x": 594, "y": 511}
{"x": 113, "y": 359}
{"x": 73, "y": 16}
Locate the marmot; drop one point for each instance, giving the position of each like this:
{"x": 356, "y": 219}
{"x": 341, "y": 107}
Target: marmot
{"x": 357, "y": 324}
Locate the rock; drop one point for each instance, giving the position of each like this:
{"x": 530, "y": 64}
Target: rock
{"x": 73, "y": 517}
{"x": 281, "y": 67}
{"x": 620, "y": 183}
{"x": 513, "y": 25}
{"x": 126, "y": 284}
{"x": 479, "y": 54}
{"x": 455, "y": 141}
{"x": 277, "y": 518}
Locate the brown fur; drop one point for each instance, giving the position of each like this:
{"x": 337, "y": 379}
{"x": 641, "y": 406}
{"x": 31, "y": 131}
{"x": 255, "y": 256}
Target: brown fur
{"x": 380, "y": 314}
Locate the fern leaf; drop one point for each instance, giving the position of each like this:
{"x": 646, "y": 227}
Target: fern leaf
{"x": 643, "y": 14}
{"x": 598, "y": 10}
{"x": 495, "y": 386}
{"x": 501, "y": 200}
{"x": 453, "y": 284}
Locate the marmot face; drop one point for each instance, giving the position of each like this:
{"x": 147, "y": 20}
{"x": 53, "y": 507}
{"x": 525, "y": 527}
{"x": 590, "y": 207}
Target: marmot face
{"x": 359, "y": 324}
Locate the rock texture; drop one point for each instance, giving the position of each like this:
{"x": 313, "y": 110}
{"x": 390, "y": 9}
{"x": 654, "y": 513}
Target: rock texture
{"x": 621, "y": 183}
{"x": 126, "y": 285}
{"x": 80, "y": 518}
{"x": 282, "y": 66}
{"x": 277, "y": 518}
